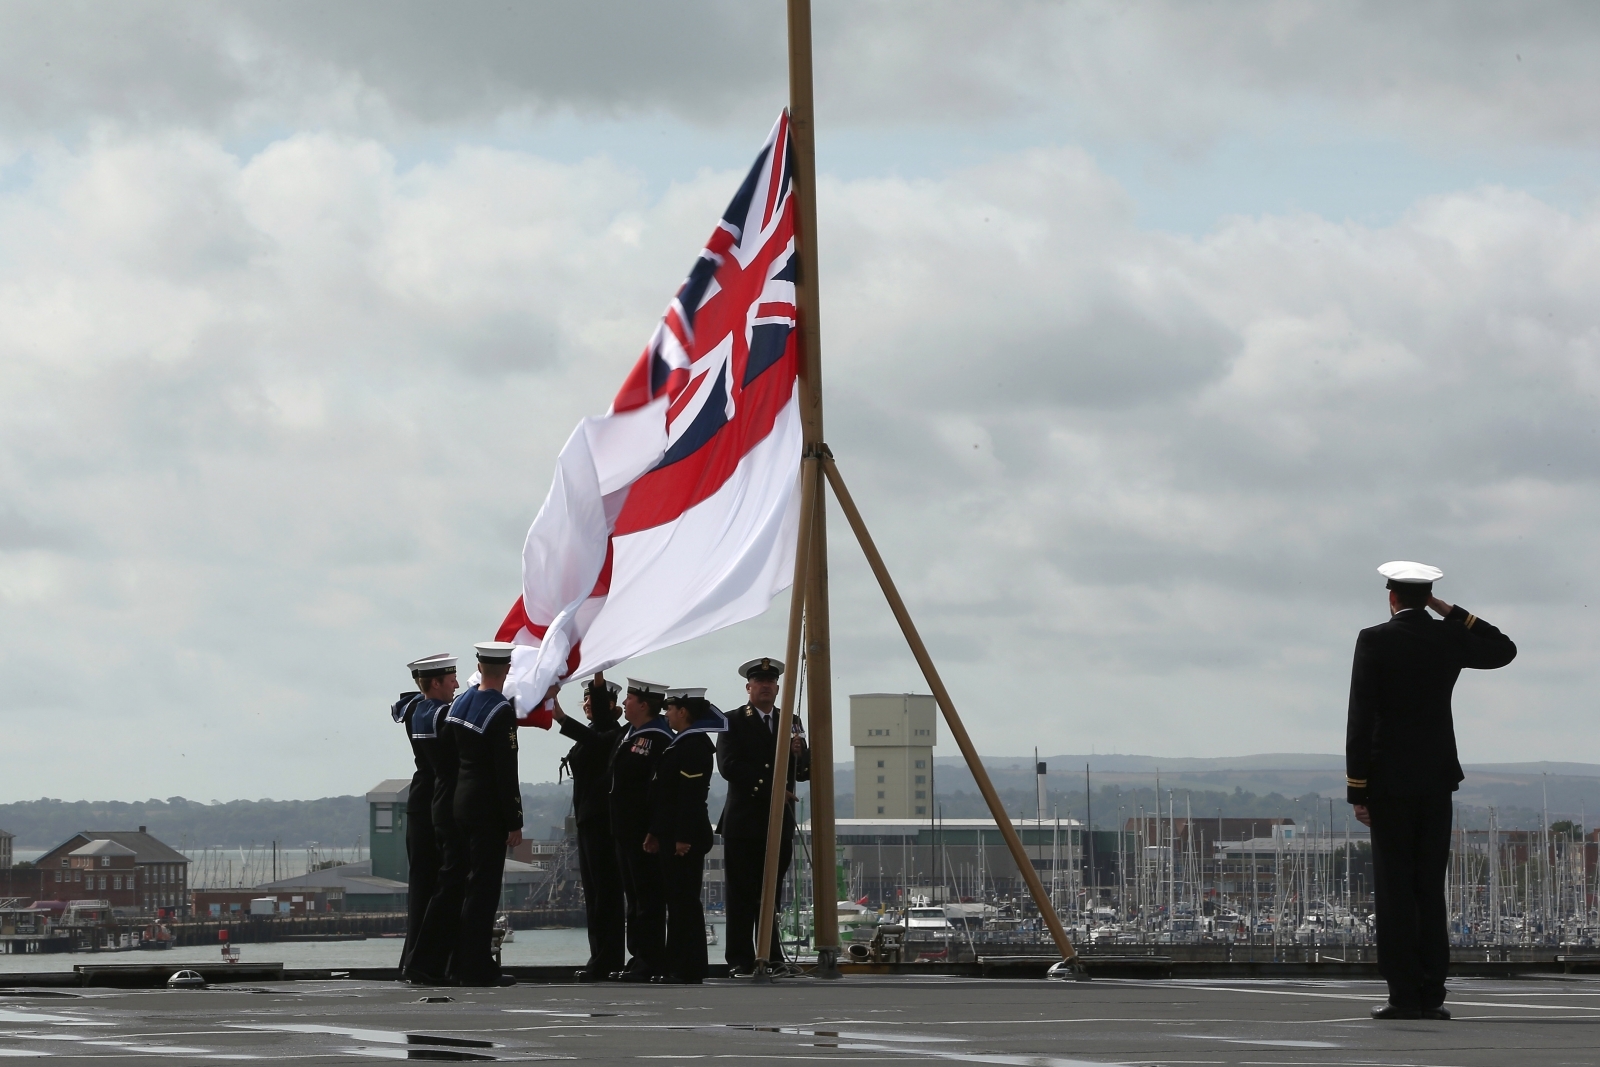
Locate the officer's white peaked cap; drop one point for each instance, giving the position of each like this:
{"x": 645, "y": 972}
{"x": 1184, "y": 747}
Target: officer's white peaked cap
{"x": 441, "y": 663}
{"x": 765, "y": 664}
{"x": 494, "y": 651}
{"x": 1409, "y": 573}
{"x": 658, "y": 689}
{"x": 686, "y": 694}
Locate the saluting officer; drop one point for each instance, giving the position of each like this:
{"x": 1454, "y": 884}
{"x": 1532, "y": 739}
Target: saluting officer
{"x": 1401, "y": 766}
{"x": 487, "y": 809}
{"x": 633, "y": 764}
{"x": 590, "y": 765}
{"x": 680, "y": 829}
{"x": 744, "y": 757}
{"x": 416, "y": 711}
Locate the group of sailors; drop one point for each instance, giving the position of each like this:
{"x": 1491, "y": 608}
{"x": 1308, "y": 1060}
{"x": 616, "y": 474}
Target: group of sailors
{"x": 641, "y": 766}
{"x": 464, "y": 812}
{"x": 639, "y": 790}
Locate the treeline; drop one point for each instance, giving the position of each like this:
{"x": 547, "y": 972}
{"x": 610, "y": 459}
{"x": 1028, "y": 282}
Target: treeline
{"x": 191, "y": 824}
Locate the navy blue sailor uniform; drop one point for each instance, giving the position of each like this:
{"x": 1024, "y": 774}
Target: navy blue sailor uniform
{"x": 603, "y": 898}
{"x": 744, "y": 757}
{"x": 486, "y": 807}
{"x": 1401, "y": 763}
{"x": 678, "y": 814}
{"x": 633, "y": 765}
{"x": 429, "y": 959}
{"x": 423, "y": 858}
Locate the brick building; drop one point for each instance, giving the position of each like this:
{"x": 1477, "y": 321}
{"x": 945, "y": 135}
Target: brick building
{"x": 160, "y": 872}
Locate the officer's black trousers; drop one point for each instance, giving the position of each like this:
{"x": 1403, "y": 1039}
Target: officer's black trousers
{"x": 602, "y": 897}
{"x": 441, "y": 925}
{"x": 646, "y": 908}
{"x": 743, "y": 861}
{"x": 1410, "y": 854}
{"x": 473, "y": 962}
{"x": 422, "y": 860}
{"x": 681, "y": 878}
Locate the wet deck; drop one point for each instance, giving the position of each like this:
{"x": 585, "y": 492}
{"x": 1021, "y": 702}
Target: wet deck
{"x": 1530, "y": 1022}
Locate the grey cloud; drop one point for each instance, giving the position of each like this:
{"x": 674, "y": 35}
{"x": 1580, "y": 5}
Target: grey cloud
{"x": 1178, "y": 73}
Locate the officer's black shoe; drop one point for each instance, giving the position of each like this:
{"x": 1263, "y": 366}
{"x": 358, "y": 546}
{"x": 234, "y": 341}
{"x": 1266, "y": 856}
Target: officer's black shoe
{"x": 673, "y": 979}
{"x": 631, "y": 976}
{"x": 412, "y": 976}
{"x": 586, "y": 975}
{"x": 1440, "y": 1013}
{"x": 1394, "y": 1011}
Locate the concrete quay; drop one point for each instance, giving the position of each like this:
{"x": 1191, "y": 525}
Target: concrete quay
{"x": 1532, "y": 1022}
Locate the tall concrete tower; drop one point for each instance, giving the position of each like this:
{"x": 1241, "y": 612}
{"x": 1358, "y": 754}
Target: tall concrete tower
{"x": 893, "y": 735}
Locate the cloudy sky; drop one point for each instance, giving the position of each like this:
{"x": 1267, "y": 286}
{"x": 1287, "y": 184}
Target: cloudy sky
{"x": 1149, "y": 331}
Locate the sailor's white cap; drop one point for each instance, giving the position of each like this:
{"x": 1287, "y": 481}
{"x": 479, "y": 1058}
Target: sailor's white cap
{"x": 764, "y": 665}
{"x": 1405, "y": 572}
{"x": 494, "y": 651}
{"x": 440, "y": 663}
{"x": 657, "y": 689}
{"x": 614, "y": 687}
{"x": 686, "y": 694}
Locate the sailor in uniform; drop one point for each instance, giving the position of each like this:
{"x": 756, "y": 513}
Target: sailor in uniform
{"x": 633, "y": 764}
{"x": 487, "y": 809}
{"x": 1401, "y": 767}
{"x": 589, "y": 762}
{"x": 416, "y": 711}
{"x": 680, "y": 829}
{"x": 744, "y": 757}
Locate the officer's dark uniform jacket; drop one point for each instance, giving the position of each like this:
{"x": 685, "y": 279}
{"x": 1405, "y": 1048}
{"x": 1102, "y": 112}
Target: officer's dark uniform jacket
{"x": 483, "y": 726}
{"x": 744, "y": 756}
{"x": 1400, "y": 739}
{"x": 678, "y": 793}
{"x": 633, "y": 765}
{"x": 589, "y": 763}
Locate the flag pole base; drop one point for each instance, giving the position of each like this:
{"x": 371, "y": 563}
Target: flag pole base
{"x": 827, "y": 964}
{"x": 1071, "y": 970}
{"x": 761, "y": 976}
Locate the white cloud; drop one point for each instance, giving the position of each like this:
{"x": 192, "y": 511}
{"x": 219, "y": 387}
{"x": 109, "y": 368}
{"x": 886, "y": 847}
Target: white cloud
{"x": 278, "y": 423}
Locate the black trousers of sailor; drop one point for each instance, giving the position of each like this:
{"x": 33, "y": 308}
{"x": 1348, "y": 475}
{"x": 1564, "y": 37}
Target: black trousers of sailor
{"x": 1410, "y": 854}
{"x": 441, "y": 925}
{"x": 423, "y": 862}
{"x": 603, "y": 901}
{"x": 647, "y": 908}
{"x": 473, "y": 963}
{"x": 744, "y": 860}
{"x": 681, "y": 879}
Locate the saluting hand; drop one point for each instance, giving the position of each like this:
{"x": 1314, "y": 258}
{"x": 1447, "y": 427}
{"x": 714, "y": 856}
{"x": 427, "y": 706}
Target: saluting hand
{"x": 1440, "y": 606}
{"x": 683, "y": 848}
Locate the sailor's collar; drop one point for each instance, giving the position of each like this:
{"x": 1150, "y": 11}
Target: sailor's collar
{"x": 402, "y": 707}
{"x": 715, "y": 723}
{"x": 657, "y": 725}
{"x": 425, "y": 715}
{"x": 476, "y": 708}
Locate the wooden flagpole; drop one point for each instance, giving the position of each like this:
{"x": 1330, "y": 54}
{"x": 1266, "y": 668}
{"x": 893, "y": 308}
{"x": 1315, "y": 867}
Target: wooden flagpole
{"x": 810, "y": 494}
{"x": 1024, "y": 866}
{"x": 819, "y": 654}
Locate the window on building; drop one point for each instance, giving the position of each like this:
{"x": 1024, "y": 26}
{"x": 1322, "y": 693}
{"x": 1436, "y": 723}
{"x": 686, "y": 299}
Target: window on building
{"x": 880, "y": 794}
{"x": 58, "y": 876}
{"x": 880, "y": 763}
{"x": 921, "y": 810}
{"x": 383, "y": 820}
{"x": 922, "y": 794}
{"x": 880, "y": 809}
{"x": 922, "y": 779}
{"x": 105, "y": 861}
{"x": 921, "y": 764}
{"x": 880, "y": 778}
